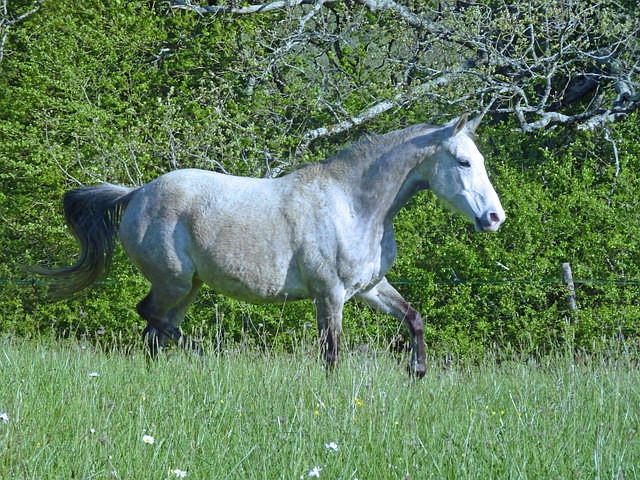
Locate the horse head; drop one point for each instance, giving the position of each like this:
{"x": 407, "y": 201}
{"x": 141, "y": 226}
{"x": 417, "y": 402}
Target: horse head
{"x": 457, "y": 175}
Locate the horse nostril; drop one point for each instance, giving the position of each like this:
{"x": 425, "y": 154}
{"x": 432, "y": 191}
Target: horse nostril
{"x": 489, "y": 222}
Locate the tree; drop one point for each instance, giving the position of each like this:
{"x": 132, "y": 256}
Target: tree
{"x": 309, "y": 70}
{"x": 569, "y": 62}
{"x": 90, "y": 92}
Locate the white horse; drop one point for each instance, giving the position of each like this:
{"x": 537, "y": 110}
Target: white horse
{"x": 323, "y": 232}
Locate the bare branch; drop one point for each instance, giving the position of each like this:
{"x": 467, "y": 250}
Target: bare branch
{"x": 417, "y": 92}
{"x": 544, "y": 64}
{"x": 413, "y": 19}
{"x": 6, "y": 21}
{"x": 251, "y": 9}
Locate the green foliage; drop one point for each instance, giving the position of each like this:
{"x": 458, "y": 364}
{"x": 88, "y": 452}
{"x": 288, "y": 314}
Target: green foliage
{"x": 89, "y": 93}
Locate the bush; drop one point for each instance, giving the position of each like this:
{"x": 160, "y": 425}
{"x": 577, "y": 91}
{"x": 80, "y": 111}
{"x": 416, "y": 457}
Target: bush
{"x": 117, "y": 111}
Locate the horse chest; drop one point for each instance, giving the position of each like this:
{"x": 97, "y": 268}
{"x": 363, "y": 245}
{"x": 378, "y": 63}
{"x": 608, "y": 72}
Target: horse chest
{"x": 367, "y": 261}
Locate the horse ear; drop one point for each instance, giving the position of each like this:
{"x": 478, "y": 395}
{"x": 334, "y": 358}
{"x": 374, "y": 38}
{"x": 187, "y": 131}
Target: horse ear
{"x": 474, "y": 122}
{"x": 460, "y": 124}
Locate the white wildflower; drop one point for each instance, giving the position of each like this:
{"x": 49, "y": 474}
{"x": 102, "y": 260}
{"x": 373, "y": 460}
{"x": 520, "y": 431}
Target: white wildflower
{"x": 333, "y": 446}
{"x": 314, "y": 472}
{"x": 148, "y": 439}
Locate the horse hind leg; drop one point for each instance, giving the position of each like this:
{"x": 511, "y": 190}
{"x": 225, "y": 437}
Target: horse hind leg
{"x": 164, "y": 309}
{"x": 329, "y": 319}
{"x": 177, "y": 314}
{"x": 153, "y": 334}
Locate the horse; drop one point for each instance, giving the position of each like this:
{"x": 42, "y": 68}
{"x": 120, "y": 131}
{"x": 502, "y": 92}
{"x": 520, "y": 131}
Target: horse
{"x": 322, "y": 232}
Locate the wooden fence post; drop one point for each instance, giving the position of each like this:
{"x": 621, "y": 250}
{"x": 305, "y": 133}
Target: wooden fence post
{"x": 567, "y": 277}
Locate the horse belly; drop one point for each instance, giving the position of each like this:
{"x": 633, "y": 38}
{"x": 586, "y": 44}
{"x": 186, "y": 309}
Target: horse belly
{"x": 251, "y": 281}
{"x": 248, "y": 259}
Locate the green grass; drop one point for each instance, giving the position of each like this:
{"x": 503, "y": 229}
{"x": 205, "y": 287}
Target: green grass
{"x": 249, "y": 415}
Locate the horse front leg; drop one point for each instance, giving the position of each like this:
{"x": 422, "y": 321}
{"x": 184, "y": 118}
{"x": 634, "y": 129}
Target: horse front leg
{"x": 329, "y": 319}
{"x": 384, "y": 298}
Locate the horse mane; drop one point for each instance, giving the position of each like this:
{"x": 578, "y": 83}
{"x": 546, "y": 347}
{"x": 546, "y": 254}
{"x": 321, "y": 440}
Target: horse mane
{"x": 370, "y": 146}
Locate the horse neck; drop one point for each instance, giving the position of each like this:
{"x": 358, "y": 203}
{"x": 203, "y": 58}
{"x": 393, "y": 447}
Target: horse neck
{"x": 394, "y": 183}
{"x": 384, "y": 180}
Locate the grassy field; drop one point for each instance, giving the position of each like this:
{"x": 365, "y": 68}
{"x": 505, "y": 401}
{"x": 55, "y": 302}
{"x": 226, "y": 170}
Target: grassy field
{"x": 71, "y": 411}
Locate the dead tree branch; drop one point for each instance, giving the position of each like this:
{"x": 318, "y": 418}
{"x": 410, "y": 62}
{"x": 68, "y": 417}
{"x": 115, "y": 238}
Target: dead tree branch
{"x": 8, "y": 20}
{"x": 572, "y": 64}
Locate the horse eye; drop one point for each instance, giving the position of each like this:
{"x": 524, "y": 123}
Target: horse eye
{"x": 465, "y": 163}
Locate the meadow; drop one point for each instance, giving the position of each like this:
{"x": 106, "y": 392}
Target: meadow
{"x": 71, "y": 410}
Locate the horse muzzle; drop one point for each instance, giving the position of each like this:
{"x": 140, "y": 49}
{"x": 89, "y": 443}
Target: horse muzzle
{"x": 490, "y": 221}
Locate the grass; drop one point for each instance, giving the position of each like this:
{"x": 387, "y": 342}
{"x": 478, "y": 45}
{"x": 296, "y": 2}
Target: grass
{"x": 249, "y": 415}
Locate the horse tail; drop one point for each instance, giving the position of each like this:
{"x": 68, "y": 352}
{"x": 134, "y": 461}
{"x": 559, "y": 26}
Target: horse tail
{"x": 93, "y": 214}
